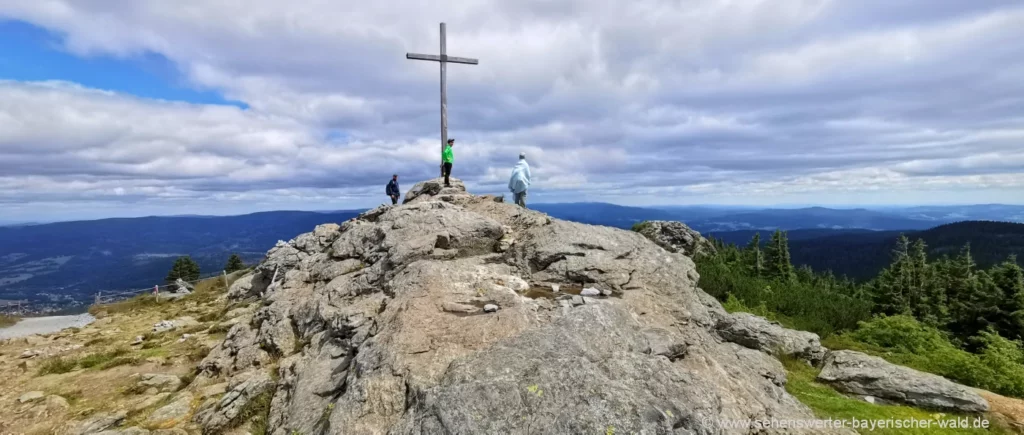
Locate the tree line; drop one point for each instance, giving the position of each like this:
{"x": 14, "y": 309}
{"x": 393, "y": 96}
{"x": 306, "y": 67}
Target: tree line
{"x": 951, "y": 294}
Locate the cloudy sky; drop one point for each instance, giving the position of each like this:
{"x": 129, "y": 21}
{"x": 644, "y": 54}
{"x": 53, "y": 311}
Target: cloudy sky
{"x": 114, "y": 108}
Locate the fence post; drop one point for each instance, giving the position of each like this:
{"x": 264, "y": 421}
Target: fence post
{"x": 99, "y": 297}
{"x": 225, "y": 279}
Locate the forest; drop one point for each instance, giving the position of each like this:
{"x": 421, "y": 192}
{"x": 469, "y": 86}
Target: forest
{"x": 942, "y": 314}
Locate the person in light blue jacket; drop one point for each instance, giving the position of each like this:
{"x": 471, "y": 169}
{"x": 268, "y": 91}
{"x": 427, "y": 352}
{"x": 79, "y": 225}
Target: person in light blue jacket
{"x": 520, "y": 180}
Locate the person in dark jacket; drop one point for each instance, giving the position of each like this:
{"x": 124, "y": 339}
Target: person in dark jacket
{"x": 393, "y": 190}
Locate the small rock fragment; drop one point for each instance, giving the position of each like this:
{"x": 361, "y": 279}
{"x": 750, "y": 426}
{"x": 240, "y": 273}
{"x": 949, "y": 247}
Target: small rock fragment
{"x": 31, "y": 396}
{"x": 590, "y": 291}
{"x": 577, "y": 300}
{"x": 606, "y": 293}
{"x": 490, "y": 308}
{"x": 138, "y": 340}
{"x": 555, "y": 288}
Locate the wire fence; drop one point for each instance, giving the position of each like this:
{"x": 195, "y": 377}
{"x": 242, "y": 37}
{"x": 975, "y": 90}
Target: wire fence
{"x": 107, "y": 297}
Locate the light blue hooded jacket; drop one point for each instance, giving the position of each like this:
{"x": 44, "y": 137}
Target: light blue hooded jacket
{"x": 520, "y": 180}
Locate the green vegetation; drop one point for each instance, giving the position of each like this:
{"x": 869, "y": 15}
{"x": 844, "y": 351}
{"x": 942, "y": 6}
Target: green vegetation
{"x": 798, "y": 298}
{"x": 997, "y": 366}
{"x": 257, "y": 412}
{"x": 827, "y": 403}
{"x": 126, "y": 306}
{"x": 6, "y": 320}
{"x": 234, "y": 264}
{"x": 57, "y": 366}
{"x": 185, "y": 268}
{"x": 943, "y": 316}
{"x": 99, "y": 359}
{"x": 640, "y": 226}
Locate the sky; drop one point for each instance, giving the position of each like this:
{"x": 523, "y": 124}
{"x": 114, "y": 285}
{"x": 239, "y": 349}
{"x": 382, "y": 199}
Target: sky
{"x": 113, "y": 108}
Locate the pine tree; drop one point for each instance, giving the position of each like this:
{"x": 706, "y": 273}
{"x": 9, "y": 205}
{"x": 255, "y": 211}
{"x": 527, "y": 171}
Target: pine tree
{"x": 234, "y": 264}
{"x": 777, "y": 263}
{"x": 755, "y": 258}
{"x": 184, "y": 268}
{"x": 1009, "y": 277}
{"x": 928, "y": 296}
{"x": 974, "y": 298}
{"x": 891, "y": 288}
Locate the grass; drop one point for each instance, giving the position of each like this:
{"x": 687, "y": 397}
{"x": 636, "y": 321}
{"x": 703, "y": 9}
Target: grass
{"x": 827, "y": 403}
{"x": 57, "y": 365}
{"x": 256, "y": 411}
{"x": 126, "y": 306}
{"x": 99, "y": 359}
{"x": 6, "y": 320}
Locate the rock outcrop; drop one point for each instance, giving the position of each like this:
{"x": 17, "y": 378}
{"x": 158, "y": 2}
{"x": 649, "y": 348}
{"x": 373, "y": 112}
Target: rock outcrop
{"x": 378, "y": 326}
{"x": 761, "y": 334}
{"x": 676, "y": 237}
{"x": 864, "y": 375}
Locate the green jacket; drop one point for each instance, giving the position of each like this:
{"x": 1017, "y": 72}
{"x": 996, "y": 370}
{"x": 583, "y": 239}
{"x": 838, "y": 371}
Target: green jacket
{"x": 446, "y": 155}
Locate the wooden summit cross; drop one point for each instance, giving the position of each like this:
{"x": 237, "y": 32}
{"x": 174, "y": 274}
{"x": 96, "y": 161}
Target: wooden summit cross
{"x": 443, "y": 59}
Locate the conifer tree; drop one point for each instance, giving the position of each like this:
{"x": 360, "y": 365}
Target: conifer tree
{"x": 234, "y": 264}
{"x": 1009, "y": 277}
{"x": 777, "y": 263}
{"x": 184, "y": 268}
{"x": 891, "y": 288}
{"x": 755, "y": 258}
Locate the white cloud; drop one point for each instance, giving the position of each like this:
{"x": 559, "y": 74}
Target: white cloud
{"x": 608, "y": 98}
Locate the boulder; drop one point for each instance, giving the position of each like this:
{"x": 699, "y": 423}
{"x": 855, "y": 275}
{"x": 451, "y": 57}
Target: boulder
{"x": 759, "y": 333}
{"x": 163, "y": 383}
{"x": 864, "y": 375}
{"x": 183, "y": 287}
{"x": 676, "y": 237}
{"x": 380, "y": 331}
{"x": 435, "y": 190}
{"x": 173, "y": 413}
{"x": 97, "y": 423}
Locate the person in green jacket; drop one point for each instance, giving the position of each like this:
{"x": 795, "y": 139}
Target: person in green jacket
{"x": 447, "y": 158}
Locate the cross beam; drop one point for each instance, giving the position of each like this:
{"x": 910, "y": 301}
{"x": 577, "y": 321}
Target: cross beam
{"x": 443, "y": 59}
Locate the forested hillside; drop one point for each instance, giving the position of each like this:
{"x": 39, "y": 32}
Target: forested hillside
{"x": 926, "y": 308}
{"x": 861, "y": 254}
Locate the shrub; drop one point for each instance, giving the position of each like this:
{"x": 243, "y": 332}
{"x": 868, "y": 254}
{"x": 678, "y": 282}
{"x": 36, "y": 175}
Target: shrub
{"x": 798, "y": 305}
{"x": 902, "y": 333}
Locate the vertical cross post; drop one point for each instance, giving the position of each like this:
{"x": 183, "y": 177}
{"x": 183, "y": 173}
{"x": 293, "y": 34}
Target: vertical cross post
{"x": 444, "y": 92}
{"x": 443, "y": 59}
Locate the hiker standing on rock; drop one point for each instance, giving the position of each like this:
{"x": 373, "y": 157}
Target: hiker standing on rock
{"x": 393, "y": 190}
{"x": 520, "y": 180}
{"x": 447, "y": 158}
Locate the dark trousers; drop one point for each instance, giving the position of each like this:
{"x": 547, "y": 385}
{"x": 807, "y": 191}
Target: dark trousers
{"x": 394, "y": 199}
{"x": 446, "y": 169}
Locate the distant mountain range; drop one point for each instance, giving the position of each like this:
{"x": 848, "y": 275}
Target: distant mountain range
{"x": 76, "y": 259}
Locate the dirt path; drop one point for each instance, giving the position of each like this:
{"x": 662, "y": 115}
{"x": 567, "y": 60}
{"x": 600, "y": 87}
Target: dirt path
{"x": 45, "y": 325}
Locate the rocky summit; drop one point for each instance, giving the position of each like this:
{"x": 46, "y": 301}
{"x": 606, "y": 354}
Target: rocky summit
{"x": 377, "y": 326}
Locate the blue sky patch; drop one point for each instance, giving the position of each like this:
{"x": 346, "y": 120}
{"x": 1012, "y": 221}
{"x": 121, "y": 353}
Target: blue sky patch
{"x": 30, "y": 53}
